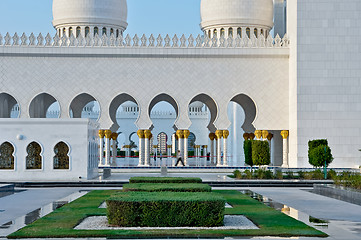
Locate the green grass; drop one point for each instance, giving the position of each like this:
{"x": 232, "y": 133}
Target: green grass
{"x": 168, "y": 187}
{"x": 60, "y": 223}
{"x": 164, "y": 180}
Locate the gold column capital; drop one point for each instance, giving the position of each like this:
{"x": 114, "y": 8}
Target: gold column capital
{"x": 140, "y": 133}
{"x": 246, "y": 136}
{"x": 258, "y": 134}
{"x": 169, "y": 146}
{"x": 101, "y": 133}
{"x": 252, "y": 136}
{"x": 212, "y": 136}
{"x": 155, "y": 146}
{"x": 264, "y": 134}
{"x": 205, "y": 146}
{"x": 114, "y": 136}
{"x": 186, "y": 133}
{"x": 225, "y": 134}
{"x": 108, "y": 133}
{"x": 219, "y": 134}
{"x": 180, "y": 134}
{"x": 147, "y": 133}
{"x": 270, "y": 136}
{"x": 285, "y": 134}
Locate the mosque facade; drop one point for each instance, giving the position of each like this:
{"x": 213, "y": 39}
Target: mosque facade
{"x": 292, "y": 66}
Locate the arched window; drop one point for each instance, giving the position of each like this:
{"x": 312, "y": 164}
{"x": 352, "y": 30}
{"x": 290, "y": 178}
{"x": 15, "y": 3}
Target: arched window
{"x": 70, "y": 31}
{"x": 6, "y": 156}
{"x": 77, "y": 31}
{"x": 262, "y": 32}
{"x": 117, "y": 33}
{"x": 215, "y": 33}
{"x": 104, "y": 31}
{"x": 256, "y": 32}
{"x": 222, "y": 32}
{"x": 59, "y": 32}
{"x": 239, "y": 32}
{"x": 96, "y": 31}
{"x": 33, "y": 159}
{"x": 61, "y": 158}
{"x": 64, "y": 31}
{"x": 230, "y": 32}
{"x": 87, "y": 30}
{"x": 111, "y": 31}
{"x": 248, "y": 32}
{"x": 209, "y": 33}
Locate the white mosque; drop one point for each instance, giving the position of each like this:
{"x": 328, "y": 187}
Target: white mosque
{"x": 288, "y": 71}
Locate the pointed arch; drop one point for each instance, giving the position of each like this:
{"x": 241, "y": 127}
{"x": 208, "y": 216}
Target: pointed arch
{"x": 115, "y": 104}
{"x": 40, "y": 104}
{"x": 163, "y": 97}
{"x": 211, "y": 105}
{"x": 250, "y": 110}
{"x": 78, "y": 104}
{"x": 7, "y": 103}
{"x": 7, "y": 159}
{"x": 34, "y": 159}
{"x": 61, "y": 160}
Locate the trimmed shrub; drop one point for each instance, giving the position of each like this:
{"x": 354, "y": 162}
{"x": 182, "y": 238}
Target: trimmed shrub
{"x": 318, "y": 155}
{"x": 247, "y": 147}
{"x": 315, "y": 143}
{"x": 263, "y": 174}
{"x": 237, "y": 174}
{"x": 260, "y": 153}
{"x": 167, "y": 187}
{"x": 279, "y": 174}
{"x": 248, "y": 174}
{"x": 164, "y": 180}
{"x": 166, "y": 209}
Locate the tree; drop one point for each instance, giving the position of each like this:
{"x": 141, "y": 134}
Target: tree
{"x": 247, "y": 147}
{"x": 319, "y": 152}
{"x": 261, "y": 153}
{"x": 318, "y": 155}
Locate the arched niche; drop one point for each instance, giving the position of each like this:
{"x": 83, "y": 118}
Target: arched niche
{"x": 250, "y": 111}
{"x": 8, "y": 106}
{"x": 44, "y": 106}
{"x": 212, "y": 107}
{"x": 162, "y": 140}
{"x": 84, "y": 106}
{"x": 115, "y": 107}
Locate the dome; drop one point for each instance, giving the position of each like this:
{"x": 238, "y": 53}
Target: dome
{"x": 196, "y": 104}
{"x": 236, "y": 13}
{"x": 129, "y": 104}
{"x": 108, "y": 14}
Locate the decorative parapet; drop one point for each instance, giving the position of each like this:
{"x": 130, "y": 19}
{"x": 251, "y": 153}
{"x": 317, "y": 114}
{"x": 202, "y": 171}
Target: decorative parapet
{"x": 144, "y": 42}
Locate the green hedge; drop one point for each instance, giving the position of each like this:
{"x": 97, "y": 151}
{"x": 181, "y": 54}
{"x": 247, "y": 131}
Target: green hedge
{"x": 166, "y": 209}
{"x": 261, "y": 153}
{"x": 247, "y": 147}
{"x": 164, "y": 180}
{"x": 319, "y": 152}
{"x": 167, "y": 187}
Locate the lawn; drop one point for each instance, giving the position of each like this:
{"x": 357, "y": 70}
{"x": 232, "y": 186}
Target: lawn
{"x": 60, "y": 223}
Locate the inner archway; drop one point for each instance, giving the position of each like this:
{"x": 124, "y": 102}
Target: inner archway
{"x": 9, "y": 107}
{"x": 84, "y": 106}
{"x": 44, "y": 106}
{"x": 124, "y": 110}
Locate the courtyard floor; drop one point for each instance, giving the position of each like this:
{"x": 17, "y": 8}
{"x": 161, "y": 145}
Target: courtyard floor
{"x": 344, "y": 219}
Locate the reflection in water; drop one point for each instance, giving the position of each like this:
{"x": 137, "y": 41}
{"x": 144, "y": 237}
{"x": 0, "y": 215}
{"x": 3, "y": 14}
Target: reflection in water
{"x": 29, "y": 218}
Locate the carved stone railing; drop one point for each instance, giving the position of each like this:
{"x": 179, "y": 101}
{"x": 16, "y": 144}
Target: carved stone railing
{"x": 144, "y": 42}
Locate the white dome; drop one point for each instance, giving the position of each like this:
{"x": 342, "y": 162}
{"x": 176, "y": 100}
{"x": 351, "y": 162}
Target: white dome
{"x": 129, "y": 104}
{"x": 196, "y": 105}
{"x": 236, "y": 13}
{"x": 100, "y": 13}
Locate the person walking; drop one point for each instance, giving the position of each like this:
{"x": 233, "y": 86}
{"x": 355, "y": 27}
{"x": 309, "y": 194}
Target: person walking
{"x": 179, "y": 157}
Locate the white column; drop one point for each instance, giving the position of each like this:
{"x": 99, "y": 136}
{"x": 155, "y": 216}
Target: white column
{"x": 186, "y": 134}
{"x": 225, "y": 136}
{"x": 147, "y": 135}
{"x": 114, "y": 150}
{"x": 285, "y": 134}
{"x": 174, "y": 144}
{"x": 101, "y": 147}
{"x": 219, "y": 134}
{"x": 107, "y": 147}
{"x": 212, "y": 136}
{"x": 269, "y": 138}
{"x": 141, "y": 147}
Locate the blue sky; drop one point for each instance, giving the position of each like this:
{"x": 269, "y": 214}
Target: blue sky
{"x": 144, "y": 16}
